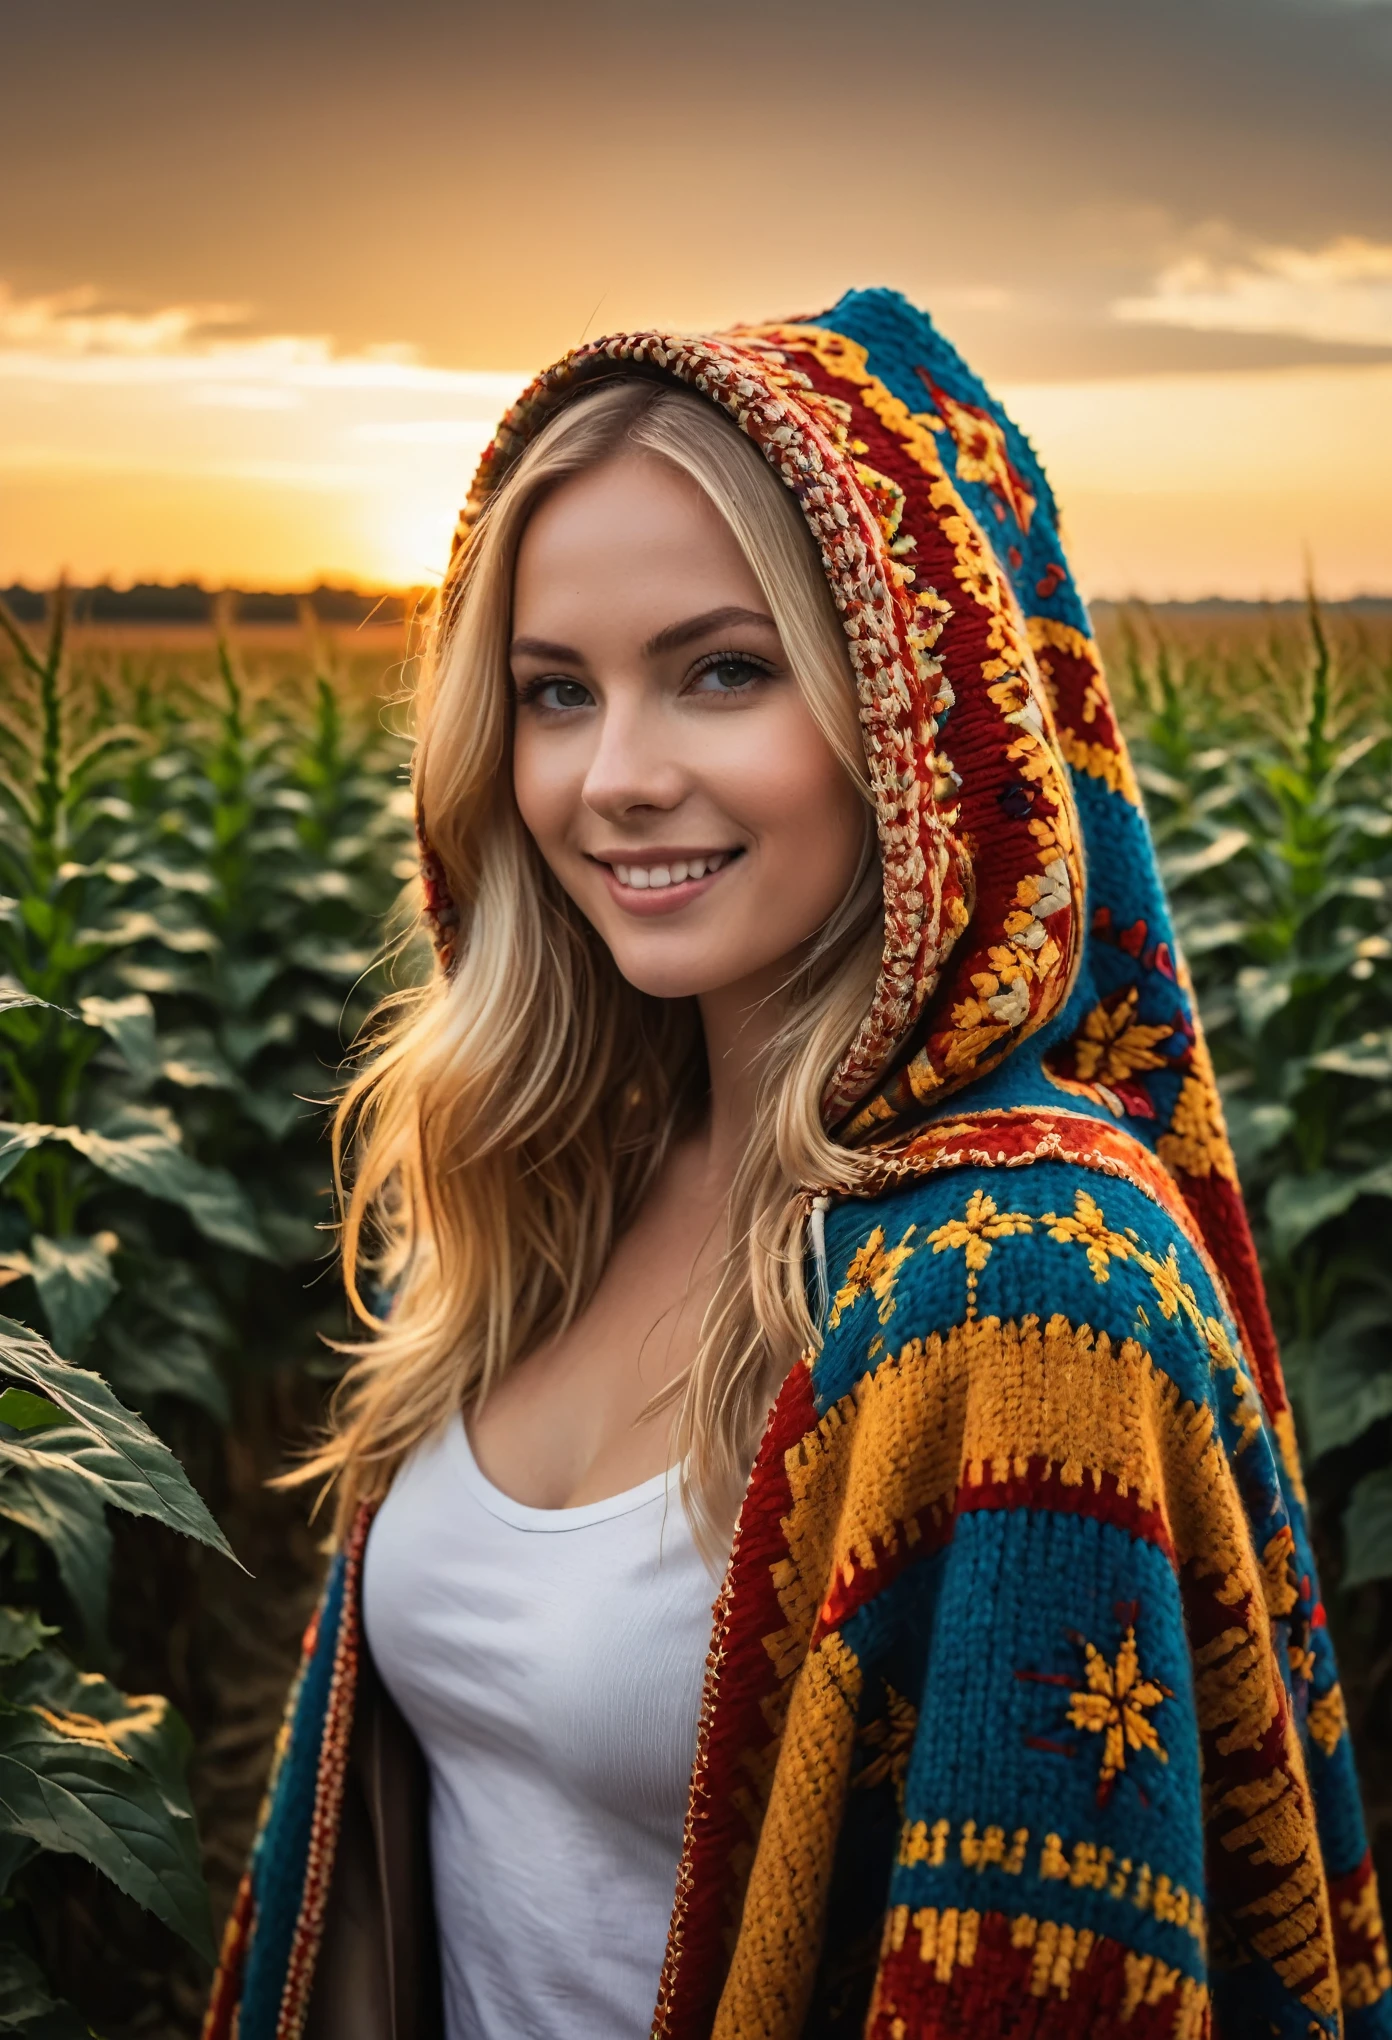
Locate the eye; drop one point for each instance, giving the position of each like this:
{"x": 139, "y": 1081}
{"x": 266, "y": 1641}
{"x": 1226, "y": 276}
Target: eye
{"x": 554, "y": 694}
{"x": 729, "y": 673}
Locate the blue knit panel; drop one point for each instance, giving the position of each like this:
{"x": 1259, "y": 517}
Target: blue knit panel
{"x": 1021, "y": 1591}
{"x": 1120, "y": 856}
{"x": 278, "y": 1872}
{"x": 1338, "y": 1809}
{"x": 900, "y": 340}
{"x": 1028, "y": 1274}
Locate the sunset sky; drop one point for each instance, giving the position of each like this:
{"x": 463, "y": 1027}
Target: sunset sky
{"x": 268, "y": 271}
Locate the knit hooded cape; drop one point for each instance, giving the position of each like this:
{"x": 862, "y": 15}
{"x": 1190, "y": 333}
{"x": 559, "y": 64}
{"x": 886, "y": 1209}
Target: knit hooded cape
{"x": 1021, "y": 1716}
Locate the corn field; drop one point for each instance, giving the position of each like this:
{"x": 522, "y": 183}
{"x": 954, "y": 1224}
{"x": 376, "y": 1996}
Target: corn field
{"x": 200, "y": 857}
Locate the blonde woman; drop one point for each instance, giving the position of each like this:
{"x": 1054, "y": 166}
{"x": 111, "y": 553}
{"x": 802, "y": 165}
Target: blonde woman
{"x": 801, "y": 1187}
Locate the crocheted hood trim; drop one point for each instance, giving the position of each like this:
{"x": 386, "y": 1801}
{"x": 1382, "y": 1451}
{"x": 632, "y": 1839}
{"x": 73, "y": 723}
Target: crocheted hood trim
{"x": 977, "y": 828}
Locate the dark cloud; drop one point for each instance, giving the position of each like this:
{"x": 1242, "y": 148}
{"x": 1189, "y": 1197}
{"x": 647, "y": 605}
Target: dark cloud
{"x": 484, "y": 181}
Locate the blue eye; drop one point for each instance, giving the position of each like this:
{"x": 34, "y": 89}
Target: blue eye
{"x": 730, "y": 674}
{"x": 554, "y": 694}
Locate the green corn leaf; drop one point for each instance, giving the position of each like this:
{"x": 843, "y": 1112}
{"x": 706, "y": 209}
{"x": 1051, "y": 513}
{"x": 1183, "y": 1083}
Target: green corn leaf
{"x": 150, "y": 1732}
{"x": 28, "y": 2007}
{"x": 68, "y": 1516}
{"x": 179, "y": 878}
{"x": 130, "y": 1022}
{"x": 242, "y": 980}
{"x": 21, "y": 1634}
{"x": 1341, "y": 1389}
{"x": 1262, "y": 993}
{"x": 1199, "y": 936}
{"x": 1368, "y": 1530}
{"x": 332, "y": 958}
{"x": 1369, "y": 1057}
{"x": 244, "y": 1039}
{"x": 144, "y": 927}
{"x": 191, "y": 1061}
{"x": 75, "y": 1285}
{"x": 1297, "y": 1205}
{"x": 153, "y": 1161}
{"x": 275, "y": 1112}
{"x": 103, "y": 1444}
{"x": 1178, "y": 866}
{"x": 82, "y": 1773}
{"x": 176, "y": 1292}
{"x": 168, "y": 1363}
{"x": 25, "y": 1412}
{"x": 13, "y": 996}
{"x": 1255, "y": 1126}
{"x": 16, "y": 1142}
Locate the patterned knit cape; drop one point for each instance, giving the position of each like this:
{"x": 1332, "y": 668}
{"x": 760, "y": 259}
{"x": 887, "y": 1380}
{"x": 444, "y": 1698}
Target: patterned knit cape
{"x": 1021, "y": 1716}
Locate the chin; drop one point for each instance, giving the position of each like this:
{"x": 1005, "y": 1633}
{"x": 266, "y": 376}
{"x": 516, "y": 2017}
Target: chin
{"x": 664, "y": 977}
{"x": 681, "y": 974}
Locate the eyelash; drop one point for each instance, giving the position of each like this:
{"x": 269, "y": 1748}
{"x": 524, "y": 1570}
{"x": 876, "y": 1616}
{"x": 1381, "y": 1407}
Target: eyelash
{"x": 760, "y": 668}
{"x": 530, "y": 691}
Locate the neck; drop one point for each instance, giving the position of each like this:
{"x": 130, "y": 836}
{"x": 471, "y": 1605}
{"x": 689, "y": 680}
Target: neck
{"x": 738, "y": 1021}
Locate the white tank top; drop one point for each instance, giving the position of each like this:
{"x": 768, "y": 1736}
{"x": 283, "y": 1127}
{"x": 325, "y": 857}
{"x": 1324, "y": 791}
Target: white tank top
{"x": 549, "y": 1663}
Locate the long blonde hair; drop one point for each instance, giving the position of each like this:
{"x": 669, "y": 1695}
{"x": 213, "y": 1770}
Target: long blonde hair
{"x": 507, "y": 1118}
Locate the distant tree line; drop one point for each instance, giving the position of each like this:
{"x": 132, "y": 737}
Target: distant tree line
{"x": 189, "y": 602}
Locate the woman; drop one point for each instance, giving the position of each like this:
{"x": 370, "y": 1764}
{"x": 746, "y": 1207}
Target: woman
{"x": 804, "y": 1164}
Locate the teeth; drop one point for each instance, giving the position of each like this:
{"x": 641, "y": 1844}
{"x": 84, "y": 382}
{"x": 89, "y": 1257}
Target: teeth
{"x": 651, "y": 877}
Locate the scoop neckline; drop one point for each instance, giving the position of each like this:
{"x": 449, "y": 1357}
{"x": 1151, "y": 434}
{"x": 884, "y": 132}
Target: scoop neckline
{"x": 522, "y": 1516}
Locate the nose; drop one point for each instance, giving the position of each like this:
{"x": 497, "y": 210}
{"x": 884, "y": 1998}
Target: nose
{"x": 636, "y": 764}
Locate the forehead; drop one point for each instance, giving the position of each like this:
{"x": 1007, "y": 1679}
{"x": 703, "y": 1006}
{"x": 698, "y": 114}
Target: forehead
{"x": 633, "y": 544}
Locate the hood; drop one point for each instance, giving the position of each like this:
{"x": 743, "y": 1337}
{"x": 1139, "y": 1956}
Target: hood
{"x": 1029, "y": 959}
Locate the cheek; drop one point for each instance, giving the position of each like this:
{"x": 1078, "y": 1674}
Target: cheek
{"x": 811, "y": 817}
{"x": 810, "y": 820}
{"x": 542, "y": 787}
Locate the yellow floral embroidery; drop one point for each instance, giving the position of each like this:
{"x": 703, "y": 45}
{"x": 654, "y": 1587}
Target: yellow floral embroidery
{"x": 1170, "y": 1286}
{"x": 1197, "y": 1141}
{"x": 982, "y": 454}
{"x": 875, "y": 1272}
{"x": 1276, "y": 1559}
{"x": 1113, "y": 1045}
{"x": 1088, "y": 1228}
{"x": 1328, "y": 1720}
{"x": 1116, "y": 1705}
{"x": 891, "y": 1736}
{"x": 980, "y": 1224}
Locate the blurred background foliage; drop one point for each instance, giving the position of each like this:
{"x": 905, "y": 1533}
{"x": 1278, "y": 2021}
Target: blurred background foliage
{"x": 200, "y": 852}
{"x": 196, "y": 863}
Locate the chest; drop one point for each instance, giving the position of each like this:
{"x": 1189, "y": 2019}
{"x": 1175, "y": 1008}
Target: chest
{"x": 565, "y": 1645}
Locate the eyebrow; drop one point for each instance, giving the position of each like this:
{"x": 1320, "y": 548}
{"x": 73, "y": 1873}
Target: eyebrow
{"x": 669, "y": 640}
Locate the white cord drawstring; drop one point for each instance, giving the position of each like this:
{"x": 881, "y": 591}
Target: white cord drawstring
{"x": 817, "y": 1228}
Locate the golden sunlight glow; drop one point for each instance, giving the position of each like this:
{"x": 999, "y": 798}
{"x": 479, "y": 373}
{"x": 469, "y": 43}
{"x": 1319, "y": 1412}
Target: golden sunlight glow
{"x": 155, "y": 449}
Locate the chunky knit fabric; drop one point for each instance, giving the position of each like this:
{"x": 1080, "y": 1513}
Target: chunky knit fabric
{"x": 1021, "y": 1717}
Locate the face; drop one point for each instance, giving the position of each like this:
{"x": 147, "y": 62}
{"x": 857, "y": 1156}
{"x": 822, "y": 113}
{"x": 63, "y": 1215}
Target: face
{"x": 664, "y": 759}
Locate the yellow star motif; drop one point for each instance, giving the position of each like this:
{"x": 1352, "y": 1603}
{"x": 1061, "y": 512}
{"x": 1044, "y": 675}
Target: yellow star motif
{"x": 1115, "y": 1705}
{"x": 980, "y": 1224}
{"x": 1088, "y": 1227}
{"x": 891, "y": 1735}
{"x": 1171, "y": 1288}
{"x": 1112, "y": 1046}
{"x": 874, "y": 1271}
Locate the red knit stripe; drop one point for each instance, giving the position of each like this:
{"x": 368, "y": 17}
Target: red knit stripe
{"x": 740, "y": 1678}
{"x": 1011, "y": 1990}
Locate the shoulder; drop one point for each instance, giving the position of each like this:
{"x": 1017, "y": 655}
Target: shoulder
{"x": 1050, "y": 1251}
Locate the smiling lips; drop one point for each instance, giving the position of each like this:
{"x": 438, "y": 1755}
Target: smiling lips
{"x": 653, "y": 877}
{"x": 670, "y": 882}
